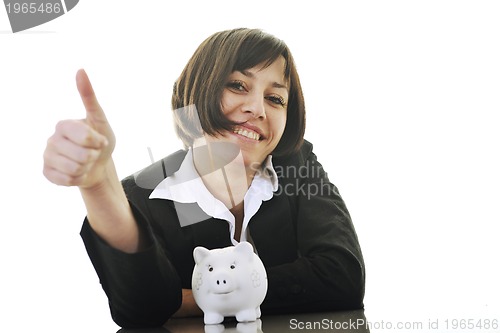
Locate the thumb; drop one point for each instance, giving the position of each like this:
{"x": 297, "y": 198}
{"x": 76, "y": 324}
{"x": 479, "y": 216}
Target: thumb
{"x": 95, "y": 114}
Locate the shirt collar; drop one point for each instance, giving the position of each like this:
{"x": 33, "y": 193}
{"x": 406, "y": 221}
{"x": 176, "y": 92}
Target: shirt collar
{"x": 186, "y": 186}
{"x": 270, "y": 173}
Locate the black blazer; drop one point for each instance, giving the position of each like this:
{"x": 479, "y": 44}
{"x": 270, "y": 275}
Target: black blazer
{"x": 304, "y": 236}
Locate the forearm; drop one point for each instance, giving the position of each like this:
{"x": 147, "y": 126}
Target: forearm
{"x": 143, "y": 288}
{"x": 329, "y": 271}
{"x": 315, "y": 284}
{"x": 109, "y": 213}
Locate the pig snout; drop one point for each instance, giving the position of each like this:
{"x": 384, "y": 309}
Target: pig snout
{"x": 222, "y": 284}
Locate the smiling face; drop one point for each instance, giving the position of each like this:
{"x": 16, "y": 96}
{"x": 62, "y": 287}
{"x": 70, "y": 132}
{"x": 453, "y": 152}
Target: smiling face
{"x": 256, "y": 98}
{"x": 223, "y": 74}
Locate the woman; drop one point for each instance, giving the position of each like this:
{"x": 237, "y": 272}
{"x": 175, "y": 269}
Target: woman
{"x": 246, "y": 174}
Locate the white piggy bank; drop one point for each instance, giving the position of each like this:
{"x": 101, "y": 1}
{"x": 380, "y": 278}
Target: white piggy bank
{"x": 229, "y": 282}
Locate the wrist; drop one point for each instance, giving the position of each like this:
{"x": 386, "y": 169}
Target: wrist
{"x": 188, "y": 308}
{"x": 101, "y": 183}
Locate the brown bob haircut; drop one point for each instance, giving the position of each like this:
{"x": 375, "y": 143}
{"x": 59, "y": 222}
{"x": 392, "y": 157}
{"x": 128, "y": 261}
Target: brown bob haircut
{"x": 198, "y": 91}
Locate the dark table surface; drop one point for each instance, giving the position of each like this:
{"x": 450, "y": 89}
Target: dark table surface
{"x": 344, "y": 321}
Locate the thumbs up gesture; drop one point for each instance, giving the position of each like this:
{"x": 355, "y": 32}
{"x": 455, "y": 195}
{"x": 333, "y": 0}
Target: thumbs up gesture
{"x": 79, "y": 151}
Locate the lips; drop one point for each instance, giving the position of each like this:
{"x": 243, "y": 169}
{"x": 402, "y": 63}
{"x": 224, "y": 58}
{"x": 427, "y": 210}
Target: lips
{"x": 249, "y": 131}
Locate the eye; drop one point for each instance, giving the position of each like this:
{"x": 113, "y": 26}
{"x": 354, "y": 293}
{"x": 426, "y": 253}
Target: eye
{"x": 236, "y": 85}
{"x": 276, "y": 99}
{"x": 210, "y": 268}
{"x": 233, "y": 266}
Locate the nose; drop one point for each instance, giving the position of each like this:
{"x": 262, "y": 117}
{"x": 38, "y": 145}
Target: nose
{"x": 222, "y": 283}
{"x": 254, "y": 105}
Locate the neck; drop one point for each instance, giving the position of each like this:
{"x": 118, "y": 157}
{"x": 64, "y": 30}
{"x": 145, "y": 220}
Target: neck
{"x": 228, "y": 183}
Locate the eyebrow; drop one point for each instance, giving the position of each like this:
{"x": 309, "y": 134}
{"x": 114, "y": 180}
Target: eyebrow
{"x": 274, "y": 84}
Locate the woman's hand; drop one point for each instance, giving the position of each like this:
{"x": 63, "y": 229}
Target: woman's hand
{"x": 79, "y": 151}
{"x": 79, "y": 154}
{"x": 188, "y": 308}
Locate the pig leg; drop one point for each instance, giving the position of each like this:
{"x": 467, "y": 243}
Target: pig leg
{"x": 246, "y": 315}
{"x": 215, "y": 328}
{"x": 211, "y": 318}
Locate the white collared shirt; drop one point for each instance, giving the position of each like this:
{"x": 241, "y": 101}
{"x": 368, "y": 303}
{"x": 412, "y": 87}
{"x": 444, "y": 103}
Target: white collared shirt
{"x": 186, "y": 186}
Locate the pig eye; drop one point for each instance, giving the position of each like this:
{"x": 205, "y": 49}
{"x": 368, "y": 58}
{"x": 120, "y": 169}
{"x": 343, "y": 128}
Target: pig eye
{"x": 232, "y": 266}
{"x": 210, "y": 268}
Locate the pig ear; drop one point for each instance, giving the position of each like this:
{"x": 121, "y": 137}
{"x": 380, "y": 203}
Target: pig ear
{"x": 245, "y": 249}
{"x": 200, "y": 253}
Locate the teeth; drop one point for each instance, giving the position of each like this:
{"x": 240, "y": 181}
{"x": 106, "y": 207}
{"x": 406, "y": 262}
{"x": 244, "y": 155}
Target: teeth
{"x": 248, "y": 134}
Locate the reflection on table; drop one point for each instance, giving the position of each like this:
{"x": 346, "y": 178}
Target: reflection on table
{"x": 345, "y": 321}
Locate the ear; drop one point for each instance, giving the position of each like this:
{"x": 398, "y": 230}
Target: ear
{"x": 244, "y": 249}
{"x": 200, "y": 253}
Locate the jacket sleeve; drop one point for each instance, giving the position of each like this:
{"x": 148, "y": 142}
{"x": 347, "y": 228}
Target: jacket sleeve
{"x": 329, "y": 272}
{"x": 143, "y": 288}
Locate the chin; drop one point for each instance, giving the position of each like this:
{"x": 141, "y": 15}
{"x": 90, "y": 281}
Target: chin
{"x": 251, "y": 153}
{"x": 250, "y": 160}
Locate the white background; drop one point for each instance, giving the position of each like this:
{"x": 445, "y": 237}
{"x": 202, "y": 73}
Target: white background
{"x": 402, "y": 100}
